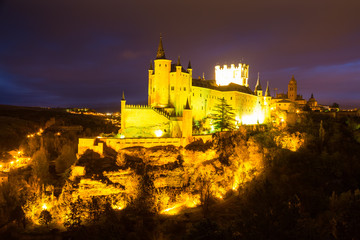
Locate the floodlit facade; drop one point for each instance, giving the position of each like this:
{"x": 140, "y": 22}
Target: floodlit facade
{"x": 175, "y": 99}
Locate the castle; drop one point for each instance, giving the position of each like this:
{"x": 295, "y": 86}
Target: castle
{"x": 175, "y": 99}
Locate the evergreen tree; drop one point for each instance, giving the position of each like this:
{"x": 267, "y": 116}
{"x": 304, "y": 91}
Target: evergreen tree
{"x": 40, "y": 166}
{"x": 223, "y": 118}
{"x": 65, "y": 159}
{"x": 74, "y": 217}
{"x": 45, "y": 217}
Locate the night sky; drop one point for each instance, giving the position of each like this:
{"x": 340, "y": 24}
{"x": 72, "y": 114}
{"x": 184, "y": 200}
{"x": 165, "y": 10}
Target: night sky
{"x": 85, "y": 53}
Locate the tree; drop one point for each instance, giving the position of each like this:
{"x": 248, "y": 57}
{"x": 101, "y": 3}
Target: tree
{"x": 40, "y": 165}
{"x": 223, "y": 118}
{"x": 74, "y": 217}
{"x": 45, "y": 217}
{"x": 335, "y": 105}
{"x": 66, "y": 158}
{"x": 94, "y": 209}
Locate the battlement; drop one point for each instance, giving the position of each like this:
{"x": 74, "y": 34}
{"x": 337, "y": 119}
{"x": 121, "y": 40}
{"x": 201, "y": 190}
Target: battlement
{"x": 232, "y": 74}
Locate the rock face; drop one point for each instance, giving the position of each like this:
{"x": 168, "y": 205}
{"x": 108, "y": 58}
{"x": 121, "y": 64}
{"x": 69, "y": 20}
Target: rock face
{"x": 171, "y": 176}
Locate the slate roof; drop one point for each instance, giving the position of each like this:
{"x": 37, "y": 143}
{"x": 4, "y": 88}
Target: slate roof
{"x": 211, "y": 84}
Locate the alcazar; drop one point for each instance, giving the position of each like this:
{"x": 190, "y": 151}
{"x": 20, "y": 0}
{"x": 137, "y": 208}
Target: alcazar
{"x": 175, "y": 99}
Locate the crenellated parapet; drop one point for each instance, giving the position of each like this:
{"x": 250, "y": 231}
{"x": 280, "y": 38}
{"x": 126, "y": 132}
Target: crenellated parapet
{"x": 232, "y": 74}
{"x": 130, "y": 106}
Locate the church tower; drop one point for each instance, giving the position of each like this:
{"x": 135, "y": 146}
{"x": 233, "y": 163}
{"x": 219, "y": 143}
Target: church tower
{"x": 159, "y": 77}
{"x": 292, "y": 89}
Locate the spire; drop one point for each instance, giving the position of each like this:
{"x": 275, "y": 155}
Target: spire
{"x": 292, "y": 79}
{"x": 312, "y": 95}
{"x": 123, "y": 96}
{"x": 151, "y": 66}
{"x": 267, "y": 92}
{"x": 178, "y": 62}
{"x": 258, "y": 85}
{"x": 189, "y": 66}
{"x": 160, "y": 52}
{"x": 203, "y": 76}
{"x": 187, "y": 105}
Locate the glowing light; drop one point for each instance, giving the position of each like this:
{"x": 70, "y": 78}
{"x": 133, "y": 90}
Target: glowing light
{"x": 255, "y": 118}
{"x": 122, "y": 136}
{"x": 158, "y": 133}
{"x": 44, "y": 206}
{"x": 19, "y": 152}
{"x": 117, "y": 207}
{"x": 12, "y": 162}
{"x": 1, "y": 166}
{"x": 226, "y": 75}
{"x": 172, "y": 210}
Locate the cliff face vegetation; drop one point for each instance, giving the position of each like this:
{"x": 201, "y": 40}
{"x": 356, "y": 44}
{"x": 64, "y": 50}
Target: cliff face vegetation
{"x": 295, "y": 182}
{"x": 159, "y": 180}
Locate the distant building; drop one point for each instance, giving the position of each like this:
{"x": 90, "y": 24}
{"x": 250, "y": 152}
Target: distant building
{"x": 292, "y": 101}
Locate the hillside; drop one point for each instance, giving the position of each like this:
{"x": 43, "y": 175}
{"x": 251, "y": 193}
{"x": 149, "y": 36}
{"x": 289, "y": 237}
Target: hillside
{"x": 17, "y": 122}
{"x": 297, "y": 182}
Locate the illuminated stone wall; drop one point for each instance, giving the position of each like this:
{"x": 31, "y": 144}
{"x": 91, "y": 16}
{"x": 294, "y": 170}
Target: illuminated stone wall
{"x": 159, "y": 83}
{"x": 121, "y": 143}
{"x": 144, "y": 122}
{"x": 238, "y": 75}
{"x": 248, "y": 108}
{"x": 180, "y": 89}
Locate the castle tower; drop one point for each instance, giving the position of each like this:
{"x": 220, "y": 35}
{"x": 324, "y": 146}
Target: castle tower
{"x": 258, "y": 89}
{"x": 123, "y": 117}
{"x": 159, "y": 79}
{"x": 292, "y": 89}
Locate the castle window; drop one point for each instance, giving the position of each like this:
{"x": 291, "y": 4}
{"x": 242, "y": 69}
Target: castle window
{"x": 202, "y": 107}
{"x": 184, "y": 88}
{"x": 153, "y": 89}
{"x": 165, "y": 65}
{"x": 193, "y": 94}
{"x": 159, "y": 65}
{"x": 172, "y": 88}
{"x": 230, "y": 98}
{"x": 200, "y": 95}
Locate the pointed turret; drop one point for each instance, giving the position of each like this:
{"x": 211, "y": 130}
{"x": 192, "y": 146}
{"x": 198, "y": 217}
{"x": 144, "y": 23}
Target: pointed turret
{"x": 160, "y": 52}
{"x": 258, "y": 89}
{"x": 267, "y": 92}
{"x": 178, "y": 62}
{"x": 258, "y": 85}
{"x": 187, "y": 106}
{"x": 312, "y": 95}
{"x": 292, "y": 80}
{"x": 151, "y": 66}
{"x": 123, "y": 96}
{"x": 189, "y": 65}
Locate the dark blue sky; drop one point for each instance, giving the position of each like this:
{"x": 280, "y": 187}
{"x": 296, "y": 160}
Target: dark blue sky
{"x": 85, "y": 53}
